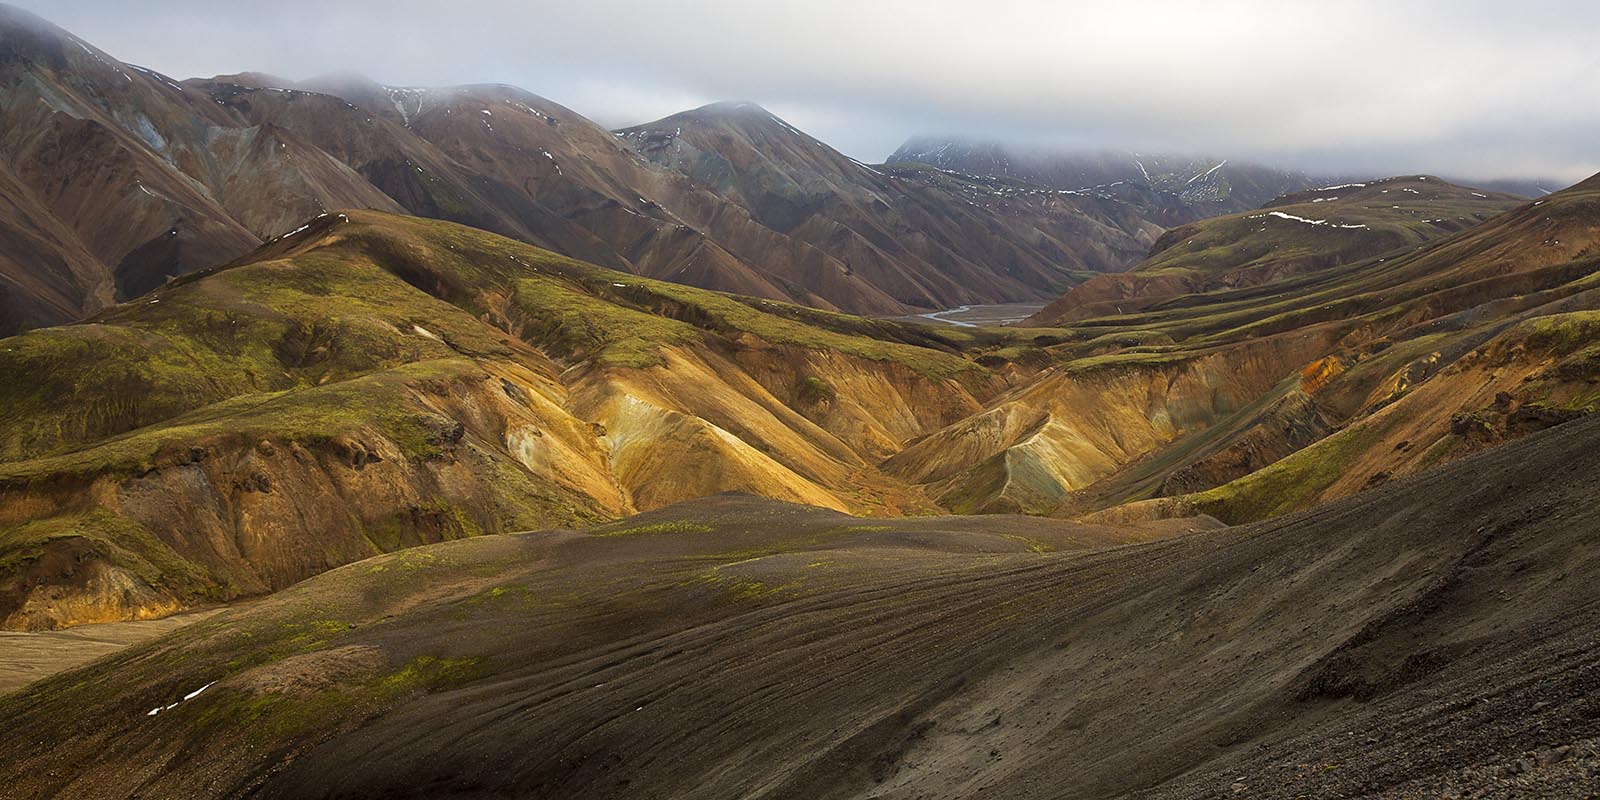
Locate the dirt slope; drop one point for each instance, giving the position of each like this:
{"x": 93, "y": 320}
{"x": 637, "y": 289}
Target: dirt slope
{"x": 1417, "y": 638}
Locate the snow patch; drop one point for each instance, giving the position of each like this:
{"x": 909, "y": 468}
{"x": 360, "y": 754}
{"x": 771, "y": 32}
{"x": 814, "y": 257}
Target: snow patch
{"x": 190, "y": 696}
{"x": 865, "y": 167}
{"x": 1293, "y": 218}
{"x": 1205, "y": 174}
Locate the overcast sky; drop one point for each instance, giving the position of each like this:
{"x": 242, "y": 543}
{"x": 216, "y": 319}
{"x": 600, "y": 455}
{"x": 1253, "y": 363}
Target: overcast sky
{"x": 1467, "y": 88}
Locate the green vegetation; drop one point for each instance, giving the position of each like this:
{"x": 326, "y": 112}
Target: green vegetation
{"x": 1562, "y": 333}
{"x": 280, "y": 716}
{"x": 314, "y": 415}
{"x": 814, "y": 391}
{"x": 1289, "y": 483}
{"x": 657, "y": 528}
{"x": 124, "y": 543}
{"x": 579, "y": 327}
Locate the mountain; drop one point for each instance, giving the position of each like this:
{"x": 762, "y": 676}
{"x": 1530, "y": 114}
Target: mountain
{"x": 1295, "y": 388}
{"x": 119, "y": 178}
{"x": 114, "y": 178}
{"x": 505, "y": 160}
{"x": 1295, "y": 234}
{"x": 1430, "y": 638}
{"x": 930, "y": 239}
{"x": 370, "y": 382}
{"x": 1174, "y": 189}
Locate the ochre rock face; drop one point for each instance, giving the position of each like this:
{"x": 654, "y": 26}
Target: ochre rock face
{"x": 1071, "y": 428}
{"x": 235, "y": 434}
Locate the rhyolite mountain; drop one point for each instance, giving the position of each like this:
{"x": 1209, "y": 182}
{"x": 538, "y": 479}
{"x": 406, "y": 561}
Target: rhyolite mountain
{"x": 113, "y": 178}
{"x": 1296, "y": 234}
{"x": 374, "y": 381}
{"x": 929, "y": 238}
{"x": 117, "y": 178}
{"x": 1307, "y": 493}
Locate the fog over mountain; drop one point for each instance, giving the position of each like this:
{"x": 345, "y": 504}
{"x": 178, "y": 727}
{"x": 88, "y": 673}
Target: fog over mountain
{"x": 1470, "y": 89}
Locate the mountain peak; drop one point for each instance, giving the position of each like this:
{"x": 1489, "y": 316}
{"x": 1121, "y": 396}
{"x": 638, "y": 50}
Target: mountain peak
{"x": 26, "y": 36}
{"x": 732, "y": 108}
{"x": 14, "y": 18}
{"x": 338, "y": 83}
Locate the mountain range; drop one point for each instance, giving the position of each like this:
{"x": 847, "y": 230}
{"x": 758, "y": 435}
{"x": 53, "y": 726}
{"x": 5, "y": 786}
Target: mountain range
{"x": 463, "y": 447}
{"x": 120, "y": 178}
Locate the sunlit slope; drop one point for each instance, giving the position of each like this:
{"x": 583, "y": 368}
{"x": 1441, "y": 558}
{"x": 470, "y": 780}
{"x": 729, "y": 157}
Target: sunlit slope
{"x": 372, "y": 382}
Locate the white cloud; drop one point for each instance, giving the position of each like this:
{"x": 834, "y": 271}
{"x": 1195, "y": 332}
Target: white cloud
{"x": 1464, "y": 87}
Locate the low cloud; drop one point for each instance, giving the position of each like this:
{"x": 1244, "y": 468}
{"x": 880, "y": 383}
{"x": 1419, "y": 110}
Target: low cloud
{"x": 1473, "y": 89}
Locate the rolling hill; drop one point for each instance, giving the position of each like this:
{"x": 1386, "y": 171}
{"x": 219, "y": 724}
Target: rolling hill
{"x": 370, "y": 381}
{"x": 1430, "y": 638}
{"x": 1295, "y": 234}
{"x": 1199, "y": 390}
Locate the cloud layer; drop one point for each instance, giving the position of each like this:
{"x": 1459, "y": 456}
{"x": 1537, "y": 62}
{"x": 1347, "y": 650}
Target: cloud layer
{"x": 1466, "y": 87}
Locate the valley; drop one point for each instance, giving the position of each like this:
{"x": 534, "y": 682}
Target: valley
{"x": 35, "y": 655}
{"x": 362, "y": 440}
{"x": 981, "y": 315}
